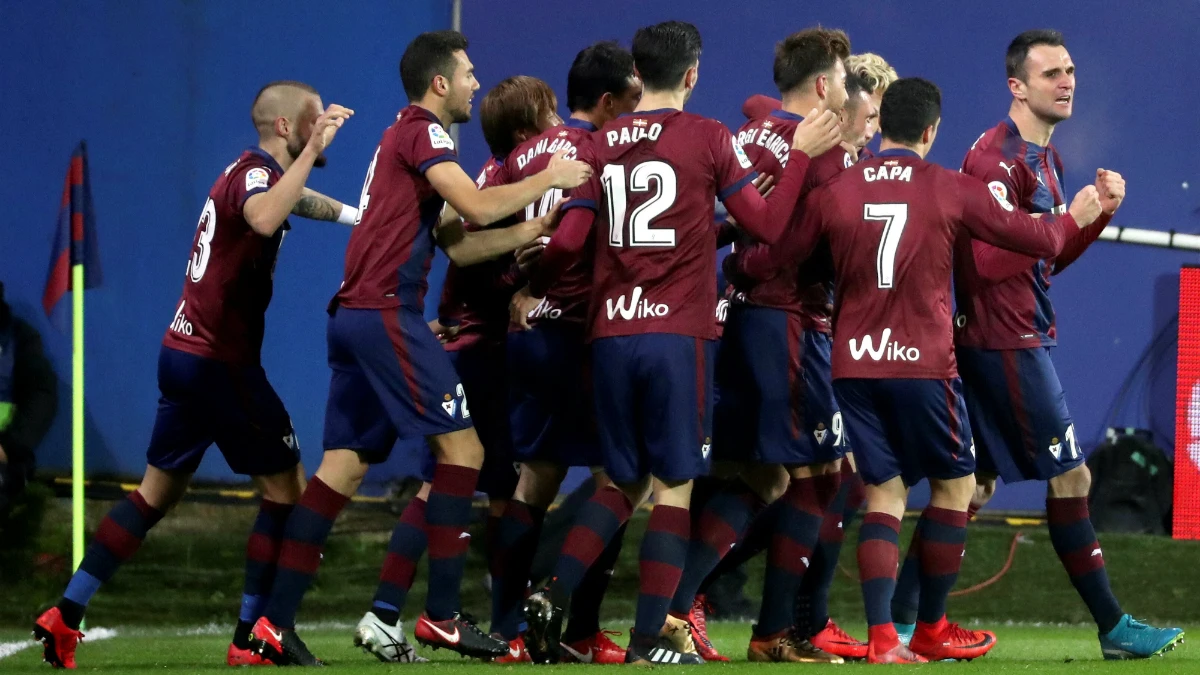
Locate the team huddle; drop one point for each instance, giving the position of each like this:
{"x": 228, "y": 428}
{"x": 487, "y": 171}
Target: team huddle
{"x": 879, "y": 321}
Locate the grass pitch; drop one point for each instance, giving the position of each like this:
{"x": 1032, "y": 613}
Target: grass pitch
{"x": 1024, "y": 649}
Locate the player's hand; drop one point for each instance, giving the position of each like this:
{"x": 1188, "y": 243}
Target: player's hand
{"x": 443, "y": 333}
{"x": 765, "y": 183}
{"x": 567, "y": 173}
{"x": 552, "y": 218}
{"x": 1085, "y": 208}
{"x": 817, "y": 133}
{"x": 529, "y": 254}
{"x": 326, "y": 127}
{"x": 1111, "y": 186}
{"x": 522, "y": 305}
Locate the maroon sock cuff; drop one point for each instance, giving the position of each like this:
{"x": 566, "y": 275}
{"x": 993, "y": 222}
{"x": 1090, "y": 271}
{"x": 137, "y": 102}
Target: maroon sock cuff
{"x": 323, "y": 499}
{"x": 149, "y": 513}
{"x": 945, "y": 516}
{"x": 454, "y": 480}
{"x": 1066, "y": 510}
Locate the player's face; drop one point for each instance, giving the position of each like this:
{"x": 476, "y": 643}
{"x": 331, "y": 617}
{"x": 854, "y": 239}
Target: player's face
{"x": 835, "y": 87}
{"x": 873, "y": 118}
{"x": 1050, "y": 87}
{"x": 628, "y": 99}
{"x": 461, "y": 89}
{"x": 302, "y": 128}
{"x": 854, "y": 120}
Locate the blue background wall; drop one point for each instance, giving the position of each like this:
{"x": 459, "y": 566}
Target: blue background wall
{"x": 162, "y": 89}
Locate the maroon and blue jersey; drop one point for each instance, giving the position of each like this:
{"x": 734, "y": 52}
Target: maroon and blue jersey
{"x": 767, "y": 280}
{"x": 392, "y": 246}
{"x": 230, "y": 276}
{"x": 567, "y": 298}
{"x": 475, "y": 298}
{"x": 1002, "y": 298}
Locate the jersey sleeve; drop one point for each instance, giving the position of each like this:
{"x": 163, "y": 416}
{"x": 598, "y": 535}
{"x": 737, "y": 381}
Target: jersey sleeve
{"x": 249, "y": 179}
{"x": 731, "y": 167}
{"x": 1007, "y": 181}
{"x": 589, "y": 194}
{"x": 995, "y": 221}
{"x": 428, "y": 144}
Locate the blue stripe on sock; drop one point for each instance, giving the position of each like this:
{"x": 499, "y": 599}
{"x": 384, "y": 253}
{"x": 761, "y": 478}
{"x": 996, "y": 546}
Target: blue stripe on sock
{"x": 82, "y": 587}
{"x": 252, "y": 606}
{"x": 384, "y": 605}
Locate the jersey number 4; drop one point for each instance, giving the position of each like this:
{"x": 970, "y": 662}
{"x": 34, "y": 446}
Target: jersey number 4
{"x": 894, "y": 217}
{"x": 616, "y": 190}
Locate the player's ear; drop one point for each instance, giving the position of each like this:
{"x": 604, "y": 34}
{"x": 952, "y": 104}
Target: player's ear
{"x": 440, "y": 85}
{"x": 1017, "y": 87}
{"x": 822, "y": 85}
{"x": 691, "y": 76}
{"x": 283, "y": 127}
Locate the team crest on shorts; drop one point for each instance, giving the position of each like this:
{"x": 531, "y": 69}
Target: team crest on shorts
{"x": 820, "y": 433}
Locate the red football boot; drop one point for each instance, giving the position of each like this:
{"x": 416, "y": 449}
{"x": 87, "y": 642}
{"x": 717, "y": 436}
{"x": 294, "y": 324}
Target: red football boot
{"x": 459, "y": 634}
{"x": 834, "y": 640}
{"x": 245, "y": 657}
{"x": 516, "y": 652}
{"x": 596, "y": 648}
{"x": 698, "y": 619}
{"x": 58, "y": 639}
{"x": 281, "y": 646}
{"x": 945, "y": 640}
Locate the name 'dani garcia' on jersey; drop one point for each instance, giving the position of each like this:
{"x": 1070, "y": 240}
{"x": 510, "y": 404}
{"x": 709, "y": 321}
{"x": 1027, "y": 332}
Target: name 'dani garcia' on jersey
{"x": 887, "y": 350}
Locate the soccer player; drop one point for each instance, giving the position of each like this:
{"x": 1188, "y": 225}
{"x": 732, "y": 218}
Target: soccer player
{"x": 859, "y": 116}
{"x": 1005, "y": 330}
{"x": 777, "y": 405}
{"x": 473, "y": 320}
{"x": 651, "y": 317}
{"x": 390, "y": 375}
{"x": 550, "y": 404}
{"x": 876, "y": 76}
{"x": 891, "y": 223}
{"x": 214, "y": 389}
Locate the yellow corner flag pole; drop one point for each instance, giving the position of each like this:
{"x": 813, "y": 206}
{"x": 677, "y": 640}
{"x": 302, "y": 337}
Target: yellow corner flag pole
{"x": 77, "y": 418}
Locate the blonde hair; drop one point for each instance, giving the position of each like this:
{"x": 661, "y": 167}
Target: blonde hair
{"x": 874, "y": 71}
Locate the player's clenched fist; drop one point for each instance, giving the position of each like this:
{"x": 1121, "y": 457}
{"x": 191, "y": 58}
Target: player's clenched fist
{"x": 1111, "y": 186}
{"x": 327, "y": 125}
{"x": 568, "y": 173}
{"x": 817, "y": 133}
{"x": 1085, "y": 208}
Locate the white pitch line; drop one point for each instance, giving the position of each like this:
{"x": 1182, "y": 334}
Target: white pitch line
{"x": 7, "y": 649}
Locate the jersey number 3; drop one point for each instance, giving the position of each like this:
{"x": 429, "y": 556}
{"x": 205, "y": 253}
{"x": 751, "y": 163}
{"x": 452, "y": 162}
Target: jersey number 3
{"x": 616, "y": 191}
{"x": 894, "y": 217}
{"x": 207, "y": 230}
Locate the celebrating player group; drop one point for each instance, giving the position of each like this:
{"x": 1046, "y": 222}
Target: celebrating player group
{"x": 881, "y": 320}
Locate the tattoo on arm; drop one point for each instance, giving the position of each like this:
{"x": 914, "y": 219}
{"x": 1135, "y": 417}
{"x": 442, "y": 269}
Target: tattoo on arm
{"x": 317, "y": 207}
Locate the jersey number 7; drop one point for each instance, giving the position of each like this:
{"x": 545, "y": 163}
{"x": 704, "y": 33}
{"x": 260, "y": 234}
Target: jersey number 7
{"x": 615, "y": 190}
{"x": 894, "y": 217}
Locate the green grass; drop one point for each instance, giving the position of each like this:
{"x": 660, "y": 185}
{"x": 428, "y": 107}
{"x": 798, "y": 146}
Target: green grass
{"x": 1025, "y": 649}
{"x": 188, "y": 574}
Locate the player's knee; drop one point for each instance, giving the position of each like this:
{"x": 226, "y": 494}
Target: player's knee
{"x": 538, "y": 484}
{"x": 985, "y": 487}
{"x": 163, "y": 489}
{"x": 342, "y": 470}
{"x": 954, "y": 494}
{"x": 1075, "y": 483}
{"x": 284, "y": 487}
{"x": 769, "y": 482}
{"x": 461, "y": 448}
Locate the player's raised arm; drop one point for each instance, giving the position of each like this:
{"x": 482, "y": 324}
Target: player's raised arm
{"x": 470, "y": 248}
{"x": 761, "y": 262}
{"x": 994, "y": 220}
{"x": 1111, "y": 187}
{"x": 266, "y": 211}
{"x": 563, "y": 249}
{"x": 314, "y": 205}
{"x": 767, "y": 219}
{"x": 484, "y": 207}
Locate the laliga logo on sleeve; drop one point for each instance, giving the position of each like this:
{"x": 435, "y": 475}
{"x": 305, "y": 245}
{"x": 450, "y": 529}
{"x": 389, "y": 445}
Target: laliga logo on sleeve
{"x": 1000, "y": 192}
{"x": 256, "y": 178}
{"x": 438, "y": 137}
{"x": 740, "y": 153}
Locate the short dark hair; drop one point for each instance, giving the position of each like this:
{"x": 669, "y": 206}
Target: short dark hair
{"x": 909, "y": 106}
{"x": 429, "y": 55}
{"x": 516, "y": 104}
{"x": 664, "y": 52}
{"x": 1018, "y": 49}
{"x": 603, "y": 68}
{"x": 804, "y": 54}
{"x": 855, "y": 85}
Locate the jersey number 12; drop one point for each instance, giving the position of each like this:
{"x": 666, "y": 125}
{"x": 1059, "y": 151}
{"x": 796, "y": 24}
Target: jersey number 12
{"x": 616, "y": 191}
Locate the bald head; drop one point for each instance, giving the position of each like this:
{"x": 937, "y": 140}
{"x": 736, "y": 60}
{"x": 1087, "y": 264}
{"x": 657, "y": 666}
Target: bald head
{"x": 287, "y": 109}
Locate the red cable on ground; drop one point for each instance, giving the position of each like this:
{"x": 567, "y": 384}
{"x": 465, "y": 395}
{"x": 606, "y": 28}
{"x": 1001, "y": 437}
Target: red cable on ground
{"x": 1012, "y": 553}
